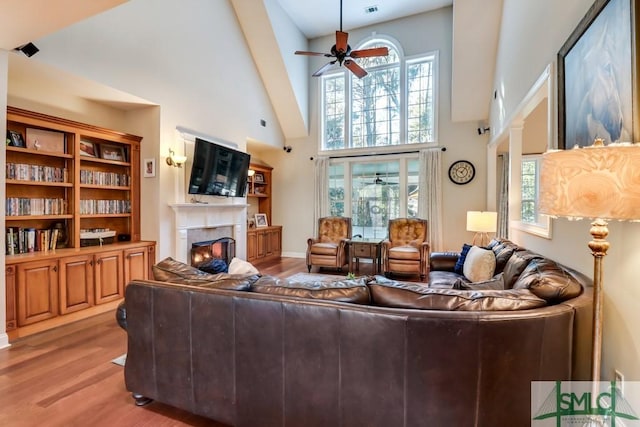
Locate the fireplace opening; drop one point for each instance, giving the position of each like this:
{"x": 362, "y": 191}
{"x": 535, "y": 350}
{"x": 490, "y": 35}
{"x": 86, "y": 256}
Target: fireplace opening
{"x": 213, "y": 256}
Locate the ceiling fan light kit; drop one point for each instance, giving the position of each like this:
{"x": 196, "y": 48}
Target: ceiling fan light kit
{"x": 343, "y": 54}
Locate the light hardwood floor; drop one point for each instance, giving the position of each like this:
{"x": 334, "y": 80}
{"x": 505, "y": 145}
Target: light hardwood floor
{"x": 64, "y": 377}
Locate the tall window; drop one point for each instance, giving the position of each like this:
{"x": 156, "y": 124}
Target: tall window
{"x": 529, "y": 187}
{"x": 373, "y": 192}
{"x": 393, "y": 105}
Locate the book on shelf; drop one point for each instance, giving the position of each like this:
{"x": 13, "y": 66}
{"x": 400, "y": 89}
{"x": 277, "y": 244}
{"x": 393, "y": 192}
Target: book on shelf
{"x": 22, "y": 240}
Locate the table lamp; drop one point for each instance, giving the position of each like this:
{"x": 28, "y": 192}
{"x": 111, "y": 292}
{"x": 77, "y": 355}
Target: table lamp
{"x": 482, "y": 223}
{"x": 597, "y": 182}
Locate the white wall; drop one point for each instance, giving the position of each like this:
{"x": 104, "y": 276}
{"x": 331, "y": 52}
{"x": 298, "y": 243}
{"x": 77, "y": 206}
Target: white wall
{"x": 4, "y": 67}
{"x": 524, "y": 51}
{"x": 188, "y": 57}
{"x": 293, "y": 172}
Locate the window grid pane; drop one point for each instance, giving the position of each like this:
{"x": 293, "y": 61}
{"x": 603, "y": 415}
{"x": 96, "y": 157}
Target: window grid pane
{"x": 336, "y": 190}
{"x": 420, "y": 101}
{"x": 529, "y": 192}
{"x": 334, "y": 109}
{"x": 413, "y": 180}
{"x": 375, "y": 117}
{"x": 375, "y": 197}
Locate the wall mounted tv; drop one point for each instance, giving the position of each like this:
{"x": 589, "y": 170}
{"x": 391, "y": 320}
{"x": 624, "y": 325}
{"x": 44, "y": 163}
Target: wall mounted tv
{"x": 218, "y": 170}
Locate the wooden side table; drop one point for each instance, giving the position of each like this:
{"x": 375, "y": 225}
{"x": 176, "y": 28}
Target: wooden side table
{"x": 365, "y": 248}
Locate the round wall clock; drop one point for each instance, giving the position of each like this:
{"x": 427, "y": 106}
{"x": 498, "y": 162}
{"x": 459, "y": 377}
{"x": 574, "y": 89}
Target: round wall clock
{"x": 461, "y": 172}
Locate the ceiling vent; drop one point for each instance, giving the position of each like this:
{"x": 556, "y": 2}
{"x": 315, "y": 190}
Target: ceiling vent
{"x": 370, "y": 9}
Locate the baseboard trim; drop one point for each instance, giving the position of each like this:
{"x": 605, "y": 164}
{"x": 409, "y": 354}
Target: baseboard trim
{"x": 4, "y": 340}
{"x": 294, "y": 254}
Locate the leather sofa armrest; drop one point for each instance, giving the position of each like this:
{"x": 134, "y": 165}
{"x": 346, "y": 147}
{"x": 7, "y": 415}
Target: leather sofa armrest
{"x": 443, "y": 261}
{"x": 121, "y": 315}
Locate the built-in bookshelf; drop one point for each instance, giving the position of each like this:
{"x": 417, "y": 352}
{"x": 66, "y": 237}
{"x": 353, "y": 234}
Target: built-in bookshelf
{"x": 72, "y": 220}
{"x": 66, "y": 176}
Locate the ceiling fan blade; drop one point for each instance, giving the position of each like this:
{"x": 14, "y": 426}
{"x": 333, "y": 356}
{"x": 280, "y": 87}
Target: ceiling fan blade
{"x": 341, "y": 41}
{"x": 355, "y": 68}
{"x": 324, "y": 68}
{"x": 375, "y": 51}
{"x": 304, "y": 52}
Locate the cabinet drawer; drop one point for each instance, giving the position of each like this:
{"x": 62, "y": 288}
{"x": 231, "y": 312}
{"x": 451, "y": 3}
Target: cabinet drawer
{"x": 363, "y": 250}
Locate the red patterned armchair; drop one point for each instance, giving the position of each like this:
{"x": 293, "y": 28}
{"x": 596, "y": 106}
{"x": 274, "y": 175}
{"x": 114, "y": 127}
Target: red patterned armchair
{"x": 406, "y": 250}
{"x": 329, "y": 249}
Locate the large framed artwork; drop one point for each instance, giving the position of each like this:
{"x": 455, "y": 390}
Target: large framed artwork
{"x": 596, "y": 68}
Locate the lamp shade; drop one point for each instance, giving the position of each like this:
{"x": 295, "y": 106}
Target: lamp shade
{"x": 592, "y": 182}
{"x": 482, "y": 222}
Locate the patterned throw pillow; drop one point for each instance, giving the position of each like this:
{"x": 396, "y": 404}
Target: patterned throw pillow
{"x": 463, "y": 255}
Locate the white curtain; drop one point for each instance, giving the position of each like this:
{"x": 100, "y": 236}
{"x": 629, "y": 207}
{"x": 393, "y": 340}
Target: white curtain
{"x": 430, "y": 194}
{"x": 503, "y": 199}
{"x": 321, "y": 191}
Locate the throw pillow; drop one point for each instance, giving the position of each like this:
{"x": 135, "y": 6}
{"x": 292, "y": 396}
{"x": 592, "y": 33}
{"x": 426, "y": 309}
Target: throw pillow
{"x": 463, "y": 255}
{"x": 238, "y": 266}
{"x": 479, "y": 264}
{"x": 213, "y": 266}
{"x": 495, "y": 283}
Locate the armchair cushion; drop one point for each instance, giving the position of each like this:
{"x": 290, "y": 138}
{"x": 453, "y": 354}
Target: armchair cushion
{"x": 404, "y": 252}
{"x": 324, "y": 248}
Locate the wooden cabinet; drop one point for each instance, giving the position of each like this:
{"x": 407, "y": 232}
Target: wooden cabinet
{"x": 264, "y": 243}
{"x": 109, "y": 276}
{"x": 37, "y": 294}
{"x": 71, "y": 190}
{"x": 76, "y": 283}
{"x": 10, "y": 284}
{"x": 259, "y": 193}
{"x": 136, "y": 264}
{"x": 44, "y": 291}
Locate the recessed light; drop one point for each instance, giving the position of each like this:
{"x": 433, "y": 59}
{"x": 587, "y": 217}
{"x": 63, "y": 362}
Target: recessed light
{"x": 371, "y": 9}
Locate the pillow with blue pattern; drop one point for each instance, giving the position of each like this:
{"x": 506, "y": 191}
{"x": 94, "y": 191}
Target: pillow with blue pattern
{"x": 460, "y": 263}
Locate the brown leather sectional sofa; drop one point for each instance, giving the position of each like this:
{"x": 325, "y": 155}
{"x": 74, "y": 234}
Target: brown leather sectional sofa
{"x": 282, "y": 354}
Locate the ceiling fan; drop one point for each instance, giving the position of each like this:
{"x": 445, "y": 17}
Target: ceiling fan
{"x": 343, "y": 54}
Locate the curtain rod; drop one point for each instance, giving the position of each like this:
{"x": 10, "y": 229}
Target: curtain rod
{"x": 379, "y": 154}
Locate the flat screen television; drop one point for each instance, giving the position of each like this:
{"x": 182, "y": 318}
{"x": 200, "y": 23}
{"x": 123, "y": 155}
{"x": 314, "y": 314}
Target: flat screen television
{"x": 218, "y": 170}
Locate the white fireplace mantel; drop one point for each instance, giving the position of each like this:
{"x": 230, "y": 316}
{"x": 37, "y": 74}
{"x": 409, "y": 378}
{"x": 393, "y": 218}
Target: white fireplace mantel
{"x": 209, "y": 215}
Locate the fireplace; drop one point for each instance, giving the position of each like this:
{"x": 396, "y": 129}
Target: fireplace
{"x": 223, "y": 249}
{"x": 197, "y": 222}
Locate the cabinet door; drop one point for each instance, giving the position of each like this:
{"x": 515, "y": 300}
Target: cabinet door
{"x": 76, "y": 283}
{"x": 262, "y": 250}
{"x": 275, "y": 240}
{"x": 136, "y": 264}
{"x": 10, "y": 281}
{"x": 109, "y": 280}
{"x": 37, "y": 291}
{"x": 252, "y": 246}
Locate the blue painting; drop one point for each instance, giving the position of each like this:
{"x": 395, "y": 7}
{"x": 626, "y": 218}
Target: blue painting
{"x": 598, "y": 86}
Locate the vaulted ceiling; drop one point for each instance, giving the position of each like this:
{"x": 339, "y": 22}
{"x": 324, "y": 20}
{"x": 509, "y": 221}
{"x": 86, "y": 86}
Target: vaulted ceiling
{"x": 475, "y": 27}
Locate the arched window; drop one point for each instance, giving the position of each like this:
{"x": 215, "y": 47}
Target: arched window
{"x": 394, "y": 104}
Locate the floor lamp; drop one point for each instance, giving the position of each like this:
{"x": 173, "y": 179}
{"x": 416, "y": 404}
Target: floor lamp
{"x": 482, "y": 223}
{"x": 597, "y": 182}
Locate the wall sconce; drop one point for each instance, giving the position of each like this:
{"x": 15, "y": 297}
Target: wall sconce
{"x": 175, "y": 160}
